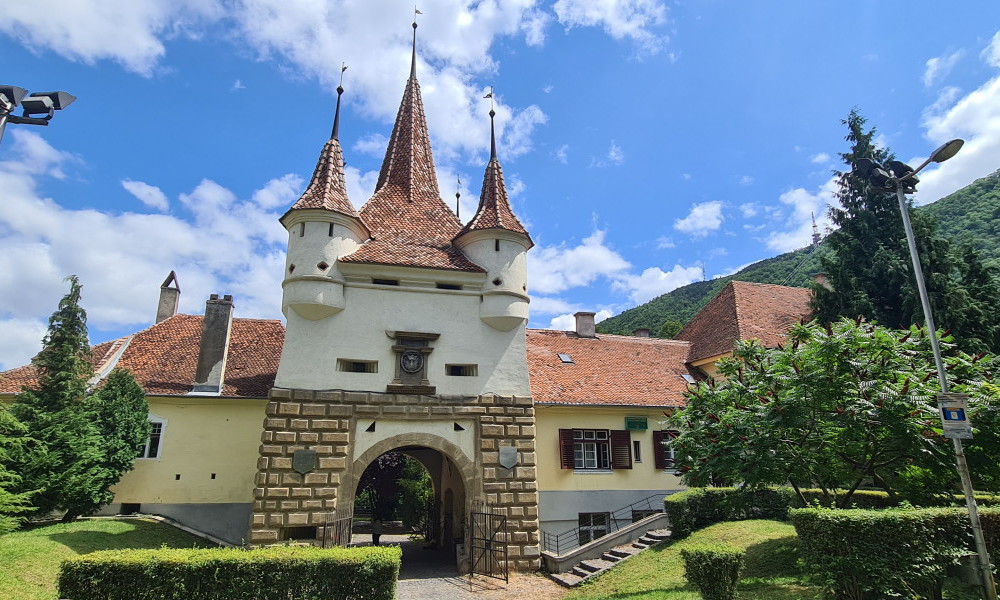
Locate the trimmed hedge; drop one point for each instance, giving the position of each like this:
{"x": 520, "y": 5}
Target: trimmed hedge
{"x": 275, "y": 573}
{"x": 696, "y": 508}
{"x": 714, "y": 570}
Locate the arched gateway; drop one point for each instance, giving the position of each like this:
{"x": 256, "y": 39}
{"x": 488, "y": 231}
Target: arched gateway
{"x": 406, "y": 328}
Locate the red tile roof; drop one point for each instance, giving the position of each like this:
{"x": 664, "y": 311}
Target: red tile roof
{"x": 327, "y": 190}
{"x": 410, "y": 223}
{"x": 606, "y": 370}
{"x": 163, "y": 358}
{"x": 744, "y": 311}
{"x": 494, "y": 209}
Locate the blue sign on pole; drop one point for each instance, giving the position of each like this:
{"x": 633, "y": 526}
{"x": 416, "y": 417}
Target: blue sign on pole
{"x": 954, "y": 421}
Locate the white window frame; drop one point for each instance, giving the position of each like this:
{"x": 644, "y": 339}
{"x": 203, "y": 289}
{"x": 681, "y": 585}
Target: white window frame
{"x": 669, "y": 452}
{"x": 162, "y": 422}
{"x": 591, "y": 450}
{"x": 587, "y": 529}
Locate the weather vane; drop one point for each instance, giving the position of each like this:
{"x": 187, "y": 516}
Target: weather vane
{"x": 458, "y": 197}
{"x": 490, "y": 96}
{"x": 416, "y": 11}
{"x": 343, "y": 67}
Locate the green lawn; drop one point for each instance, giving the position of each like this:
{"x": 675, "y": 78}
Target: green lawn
{"x": 770, "y": 573}
{"x": 29, "y": 559}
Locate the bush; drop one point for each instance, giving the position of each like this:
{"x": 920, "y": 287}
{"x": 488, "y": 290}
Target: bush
{"x": 276, "y": 573}
{"x": 714, "y": 570}
{"x": 696, "y": 508}
{"x": 869, "y": 554}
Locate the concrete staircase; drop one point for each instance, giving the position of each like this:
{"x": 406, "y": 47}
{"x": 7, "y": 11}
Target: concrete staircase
{"x": 592, "y": 567}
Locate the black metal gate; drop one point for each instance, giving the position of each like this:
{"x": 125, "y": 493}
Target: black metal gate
{"x": 489, "y": 542}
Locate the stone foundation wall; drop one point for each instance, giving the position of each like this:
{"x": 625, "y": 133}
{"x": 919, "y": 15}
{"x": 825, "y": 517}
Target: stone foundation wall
{"x": 323, "y": 421}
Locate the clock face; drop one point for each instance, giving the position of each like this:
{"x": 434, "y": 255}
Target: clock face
{"x": 411, "y": 361}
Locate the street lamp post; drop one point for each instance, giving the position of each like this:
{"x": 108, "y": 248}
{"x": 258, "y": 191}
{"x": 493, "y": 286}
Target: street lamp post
{"x": 37, "y": 103}
{"x": 903, "y": 180}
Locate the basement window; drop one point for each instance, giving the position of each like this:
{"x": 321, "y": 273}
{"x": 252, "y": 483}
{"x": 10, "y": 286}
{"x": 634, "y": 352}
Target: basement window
{"x": 462, "y": 370}
{"x": 566, "y": 359}
{"x": 349, "y": 365}
{"x": 298, "y": 533}
{"x": 385, "y": 281}
{"x": 448, "y": 286}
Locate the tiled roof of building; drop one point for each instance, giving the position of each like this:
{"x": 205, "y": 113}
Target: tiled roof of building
{"x": 606, "y": 370}
{"x": 494, "y": 210}
{"x": 410, "y": 223}
{"x": 164, "y": 357}
{"x": 744, "y": 311}
{"x": 326, "y": 189}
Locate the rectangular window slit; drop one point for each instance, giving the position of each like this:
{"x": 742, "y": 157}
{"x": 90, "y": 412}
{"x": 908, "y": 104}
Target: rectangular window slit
{"x": 462, "y": 370}
{"x": 385, "y": 281}
{"x": 350, "y": 365}
{"x": 302, "y": 231}
{"x": 635, "y": 451}
{"x": 448, "y": 286}
{"x": 330, "y": 232}
{"x": 496, "y": 245}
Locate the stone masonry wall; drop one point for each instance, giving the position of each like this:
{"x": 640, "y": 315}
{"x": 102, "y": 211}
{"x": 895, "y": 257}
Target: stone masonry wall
{"x": 323, "y": 421}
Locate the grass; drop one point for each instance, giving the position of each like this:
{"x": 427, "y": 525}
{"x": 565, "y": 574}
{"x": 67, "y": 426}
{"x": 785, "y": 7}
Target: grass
{"x": 29, "y": 559}
{"x": 658, "y": 574}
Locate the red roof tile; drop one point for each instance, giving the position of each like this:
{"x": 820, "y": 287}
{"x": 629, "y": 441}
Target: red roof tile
{"x": 606, "y": 370}
{"x": 744, "y": 311}
{"x": 410, "y": 223}
{"x": 163, "y": 358}
{"x": 327, "y": 190}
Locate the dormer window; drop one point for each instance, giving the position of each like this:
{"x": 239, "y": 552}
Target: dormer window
{"x": 566, "y": 359}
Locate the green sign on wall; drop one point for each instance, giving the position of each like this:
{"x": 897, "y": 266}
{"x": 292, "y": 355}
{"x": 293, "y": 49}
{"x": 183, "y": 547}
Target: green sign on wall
{"x": 636, "y": 423}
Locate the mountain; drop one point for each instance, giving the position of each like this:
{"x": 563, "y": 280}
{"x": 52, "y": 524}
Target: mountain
{"x": 971, "y": 216}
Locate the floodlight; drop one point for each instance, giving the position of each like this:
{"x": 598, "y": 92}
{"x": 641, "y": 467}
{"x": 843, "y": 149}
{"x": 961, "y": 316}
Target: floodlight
{"x": 37, "y": 105}
{"x": 863, "y": 167}
{"x": 60, "y": 100}
{"x": 12, "y": 94}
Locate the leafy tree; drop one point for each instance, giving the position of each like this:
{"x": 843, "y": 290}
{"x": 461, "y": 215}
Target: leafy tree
{"x": 869, "y": 266}
{"x": 81, "y": 441}
{"x": 12, "y": 505}
{"x": 670, "y": 329}
{"x": 837, "y": 406}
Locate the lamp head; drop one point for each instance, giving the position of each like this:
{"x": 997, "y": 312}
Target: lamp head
{"x": 12, "y": 94}
{"x": 38, "y": 105}
{"x": 947, "y": 150}
{"x": 60, "y": 100}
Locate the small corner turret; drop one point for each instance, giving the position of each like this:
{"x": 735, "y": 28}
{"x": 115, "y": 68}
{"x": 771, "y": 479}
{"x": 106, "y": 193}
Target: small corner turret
{"x": 322, "y": 227}
{"x": 497, "y": 241}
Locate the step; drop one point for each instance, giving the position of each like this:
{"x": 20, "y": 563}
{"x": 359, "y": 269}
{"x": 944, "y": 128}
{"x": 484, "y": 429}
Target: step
{"x": 595, "y": 565}
{"x": 608, "y": 556}
{"x": 661, "y": 535}
{"x": 566, "y": 579}
{"x": 649, "y": 541}
{"x": 581, "y": 572}
{"x": 621, "y": 552}
{"x": 639, "y": 544}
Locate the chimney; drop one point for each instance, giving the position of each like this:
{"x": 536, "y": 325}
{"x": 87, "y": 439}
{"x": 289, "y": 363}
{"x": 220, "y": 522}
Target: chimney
{"x": 641, "y": 332}
{"x": 585, "y": 324}
{"x": 823, "y": 280}
{"x": 169, "y": 298}
{"x": 214, "y": 346}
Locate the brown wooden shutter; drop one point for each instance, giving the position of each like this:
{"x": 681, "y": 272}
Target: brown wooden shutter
{"x": 621, "y": 449}
{"x": 658, "y": 458}
{"x": 566, "y": 460}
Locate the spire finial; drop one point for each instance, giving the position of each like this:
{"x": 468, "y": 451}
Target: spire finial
{"x": 335, "y": 134}
{"x": 413, "y": 56}
{"x": 493, "y": 135}
{"x": 458, "y": 197}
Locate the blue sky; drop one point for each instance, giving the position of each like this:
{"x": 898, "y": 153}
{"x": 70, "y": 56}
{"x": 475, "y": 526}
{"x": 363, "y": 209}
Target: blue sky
{"x": 646, "y": 144}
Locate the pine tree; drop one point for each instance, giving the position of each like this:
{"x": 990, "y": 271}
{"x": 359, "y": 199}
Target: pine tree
{"x": 78, "y": 451}
{"x": 12, "y": 505}
{"x": 869, "y": 268}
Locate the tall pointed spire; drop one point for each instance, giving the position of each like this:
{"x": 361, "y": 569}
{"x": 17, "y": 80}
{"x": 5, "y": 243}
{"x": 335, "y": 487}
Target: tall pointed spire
{"x": 494, "y": 210}
{"x": 413, "y": 53}
{"x": 327, "y": 189}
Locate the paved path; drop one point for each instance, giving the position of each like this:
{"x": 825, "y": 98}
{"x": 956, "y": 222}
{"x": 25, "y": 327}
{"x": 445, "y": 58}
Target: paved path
{"x": 428, "y": 574}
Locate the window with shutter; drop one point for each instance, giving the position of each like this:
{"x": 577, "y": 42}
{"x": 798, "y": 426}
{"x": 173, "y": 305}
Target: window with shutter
{"x": 566, "y": 448}
{"x": 663, "y": 450}
{"x": 621, "y": 449}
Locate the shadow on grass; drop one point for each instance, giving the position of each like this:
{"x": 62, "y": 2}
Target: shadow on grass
{"x": 139, "y": 534}
{"x": 773, "y": 558}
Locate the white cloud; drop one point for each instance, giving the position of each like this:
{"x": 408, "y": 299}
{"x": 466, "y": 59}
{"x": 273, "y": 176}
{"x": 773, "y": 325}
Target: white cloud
{"x": 150, "y": 195}
{"x": 703, "y": 218}
{"x": 654, "y": 282}
{"x": 686, "y": 176}
{"x": 557, "y": 268}
{"x": 748, "y": 209}
{"x": 820, "y": 159}
{"x": 746, "y": 180}
{"x": 632, "y": 19}
{"x": 732, "y": 270}
{"x": 280, "y": 193}
{"x": 237, "y": 85}
{"x": 567, "y": 322}
{"x": 939, "y": 67}
{"x": 373, "y": 144}
{"x": 797, "y": 228}
{"x": 991, "y": 54}
{"x": 561, "y": 154}
{"x": 546, "y": 305}
{"x": 613, "y": 157}
{"x": 665, "y": 243}
{"x": 232, "y": 246}
{"x": 126, "y": 31}
{"x": 974, "y": 117}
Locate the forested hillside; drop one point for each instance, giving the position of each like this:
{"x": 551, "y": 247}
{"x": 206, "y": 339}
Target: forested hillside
{"x": 971, "y": 215}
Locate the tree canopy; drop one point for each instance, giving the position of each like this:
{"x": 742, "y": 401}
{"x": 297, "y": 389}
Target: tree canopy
{"x": 835, "y": 407}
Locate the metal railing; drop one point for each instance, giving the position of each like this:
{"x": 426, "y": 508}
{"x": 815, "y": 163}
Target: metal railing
{"x": 615, "y": 520}
{"x": 338, "y": 528}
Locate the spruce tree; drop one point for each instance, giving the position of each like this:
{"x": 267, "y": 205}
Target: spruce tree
{"x": 12, "y": 505}
{"x": 869, "y": 267}
{"x": 78, "y": 451}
